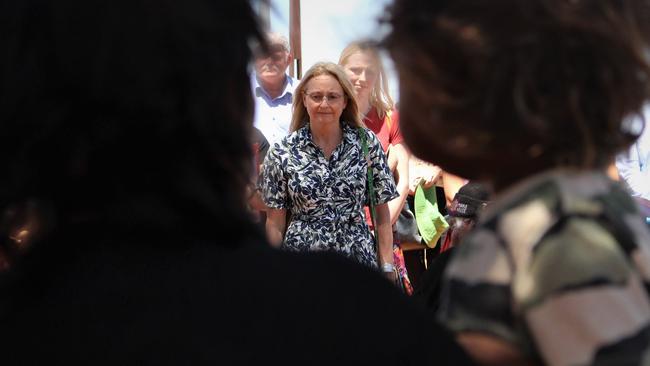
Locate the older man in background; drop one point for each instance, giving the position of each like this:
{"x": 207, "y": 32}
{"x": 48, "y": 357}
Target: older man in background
{"x": 273, "y": 89}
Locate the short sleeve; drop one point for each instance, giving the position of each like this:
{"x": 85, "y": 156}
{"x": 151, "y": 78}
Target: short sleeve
{"x": 272, "y": 182}
{"x": 476, "y": 294}
{"x": 395, "y": 133}
{"x": 573, "y": 300}
{"x": 383, "y": 183}
{"x": 588, "y": 305}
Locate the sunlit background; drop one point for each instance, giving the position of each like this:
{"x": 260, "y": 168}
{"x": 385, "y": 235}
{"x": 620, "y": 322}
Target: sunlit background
{"x": 328, "y": 26}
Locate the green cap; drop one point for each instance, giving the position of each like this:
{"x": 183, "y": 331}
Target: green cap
{"x": 430, "y": 221}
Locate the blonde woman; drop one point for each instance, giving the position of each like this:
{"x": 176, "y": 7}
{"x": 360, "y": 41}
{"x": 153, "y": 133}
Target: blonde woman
{"x": 319, "y": 174}
{"x": 363, "y": 67}
{"x": 365, "y": 71}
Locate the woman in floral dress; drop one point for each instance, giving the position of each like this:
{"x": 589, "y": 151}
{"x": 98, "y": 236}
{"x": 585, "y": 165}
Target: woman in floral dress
{"x": 319, "y": 174}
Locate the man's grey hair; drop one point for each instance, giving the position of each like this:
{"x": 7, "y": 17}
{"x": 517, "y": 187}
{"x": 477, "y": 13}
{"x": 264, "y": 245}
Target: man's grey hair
{"x": 277, "y": 39}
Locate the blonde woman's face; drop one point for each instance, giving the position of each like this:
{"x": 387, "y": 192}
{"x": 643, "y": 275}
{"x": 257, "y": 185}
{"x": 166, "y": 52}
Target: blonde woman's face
{"x": 363, "y": 72}
{"x": 324, "y": 100}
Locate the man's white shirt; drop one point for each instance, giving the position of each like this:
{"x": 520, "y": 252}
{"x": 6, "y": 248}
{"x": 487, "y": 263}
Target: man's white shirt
{"x": 273, "y": 115}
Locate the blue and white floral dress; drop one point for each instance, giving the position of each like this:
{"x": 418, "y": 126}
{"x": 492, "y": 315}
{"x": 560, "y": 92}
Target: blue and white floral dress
{"x": 326, "y": 197}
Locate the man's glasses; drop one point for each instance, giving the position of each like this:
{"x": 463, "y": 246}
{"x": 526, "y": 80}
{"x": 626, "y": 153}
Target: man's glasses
{"x": 332, "y": 98}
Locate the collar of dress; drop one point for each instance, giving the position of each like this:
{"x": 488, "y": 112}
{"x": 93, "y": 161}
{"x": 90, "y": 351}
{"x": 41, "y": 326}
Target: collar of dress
{"x": 349, "y": 134}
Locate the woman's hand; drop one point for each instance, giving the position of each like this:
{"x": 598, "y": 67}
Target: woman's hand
{"x": 391, "y": 276}
{"x": 390, "y": 272}
{"x": 422, "y": 173}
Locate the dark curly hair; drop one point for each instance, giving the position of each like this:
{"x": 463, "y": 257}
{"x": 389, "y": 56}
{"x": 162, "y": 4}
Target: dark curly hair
{"x": 110, "y": 105}
{"x": 503, "y": 89}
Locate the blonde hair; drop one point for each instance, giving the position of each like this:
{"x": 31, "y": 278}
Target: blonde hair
{"x": 350, "y": 114}
{"x": 380, "y": 99}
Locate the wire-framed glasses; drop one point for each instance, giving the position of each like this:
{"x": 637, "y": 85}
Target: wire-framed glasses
{"x": 319, "y": 97}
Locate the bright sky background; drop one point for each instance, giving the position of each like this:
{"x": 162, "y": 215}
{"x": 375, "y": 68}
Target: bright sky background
{"x": 329, "y": 25}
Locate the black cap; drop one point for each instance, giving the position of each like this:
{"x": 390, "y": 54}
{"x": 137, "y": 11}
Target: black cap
{"x": 470, "y": 199}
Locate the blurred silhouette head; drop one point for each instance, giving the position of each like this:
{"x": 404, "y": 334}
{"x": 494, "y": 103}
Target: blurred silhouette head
{"x": 111, "y": 105}
{"x": 502, "y": 90}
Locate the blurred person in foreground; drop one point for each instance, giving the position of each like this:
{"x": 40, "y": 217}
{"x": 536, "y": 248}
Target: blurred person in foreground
{"x": 124, "y": 230}
{"x": 531, "y": 96}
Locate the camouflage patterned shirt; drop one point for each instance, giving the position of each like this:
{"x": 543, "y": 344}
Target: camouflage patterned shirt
{"x": 560, "y": 267}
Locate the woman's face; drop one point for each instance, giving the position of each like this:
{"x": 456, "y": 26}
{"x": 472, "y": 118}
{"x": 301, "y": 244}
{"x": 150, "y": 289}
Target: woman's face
{"x": 324, "y": 100}
{"x": 362, "y": 70}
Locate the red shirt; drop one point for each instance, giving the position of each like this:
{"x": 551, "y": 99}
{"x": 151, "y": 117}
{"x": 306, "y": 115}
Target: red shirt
{"x": 388, "y": 133}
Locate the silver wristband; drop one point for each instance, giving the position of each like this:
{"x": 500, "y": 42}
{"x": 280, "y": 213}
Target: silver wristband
{"x": 387, "y": 268}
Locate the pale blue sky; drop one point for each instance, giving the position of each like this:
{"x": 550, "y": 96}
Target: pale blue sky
{"x": 329, "y": 25}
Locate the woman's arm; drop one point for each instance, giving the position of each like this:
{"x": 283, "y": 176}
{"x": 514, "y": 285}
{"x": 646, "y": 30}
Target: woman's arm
{"x": 276, "y": 221}
{"x": 255, "y": 201}
{"x": 401, "y": 174}
{"x": 385, "y": 232}
{"x": 451, "y": 184}
{"x": 422, "y": 173}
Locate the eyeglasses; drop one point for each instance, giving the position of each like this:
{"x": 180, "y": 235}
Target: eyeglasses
{"x": 332, "y": 98}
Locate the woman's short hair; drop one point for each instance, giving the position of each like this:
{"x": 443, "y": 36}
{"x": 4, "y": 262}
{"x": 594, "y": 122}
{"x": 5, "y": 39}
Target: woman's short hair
{"x": 380, "y": 97}
{"x": 514, "y": 87}
{"x": 350, "y": 114}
